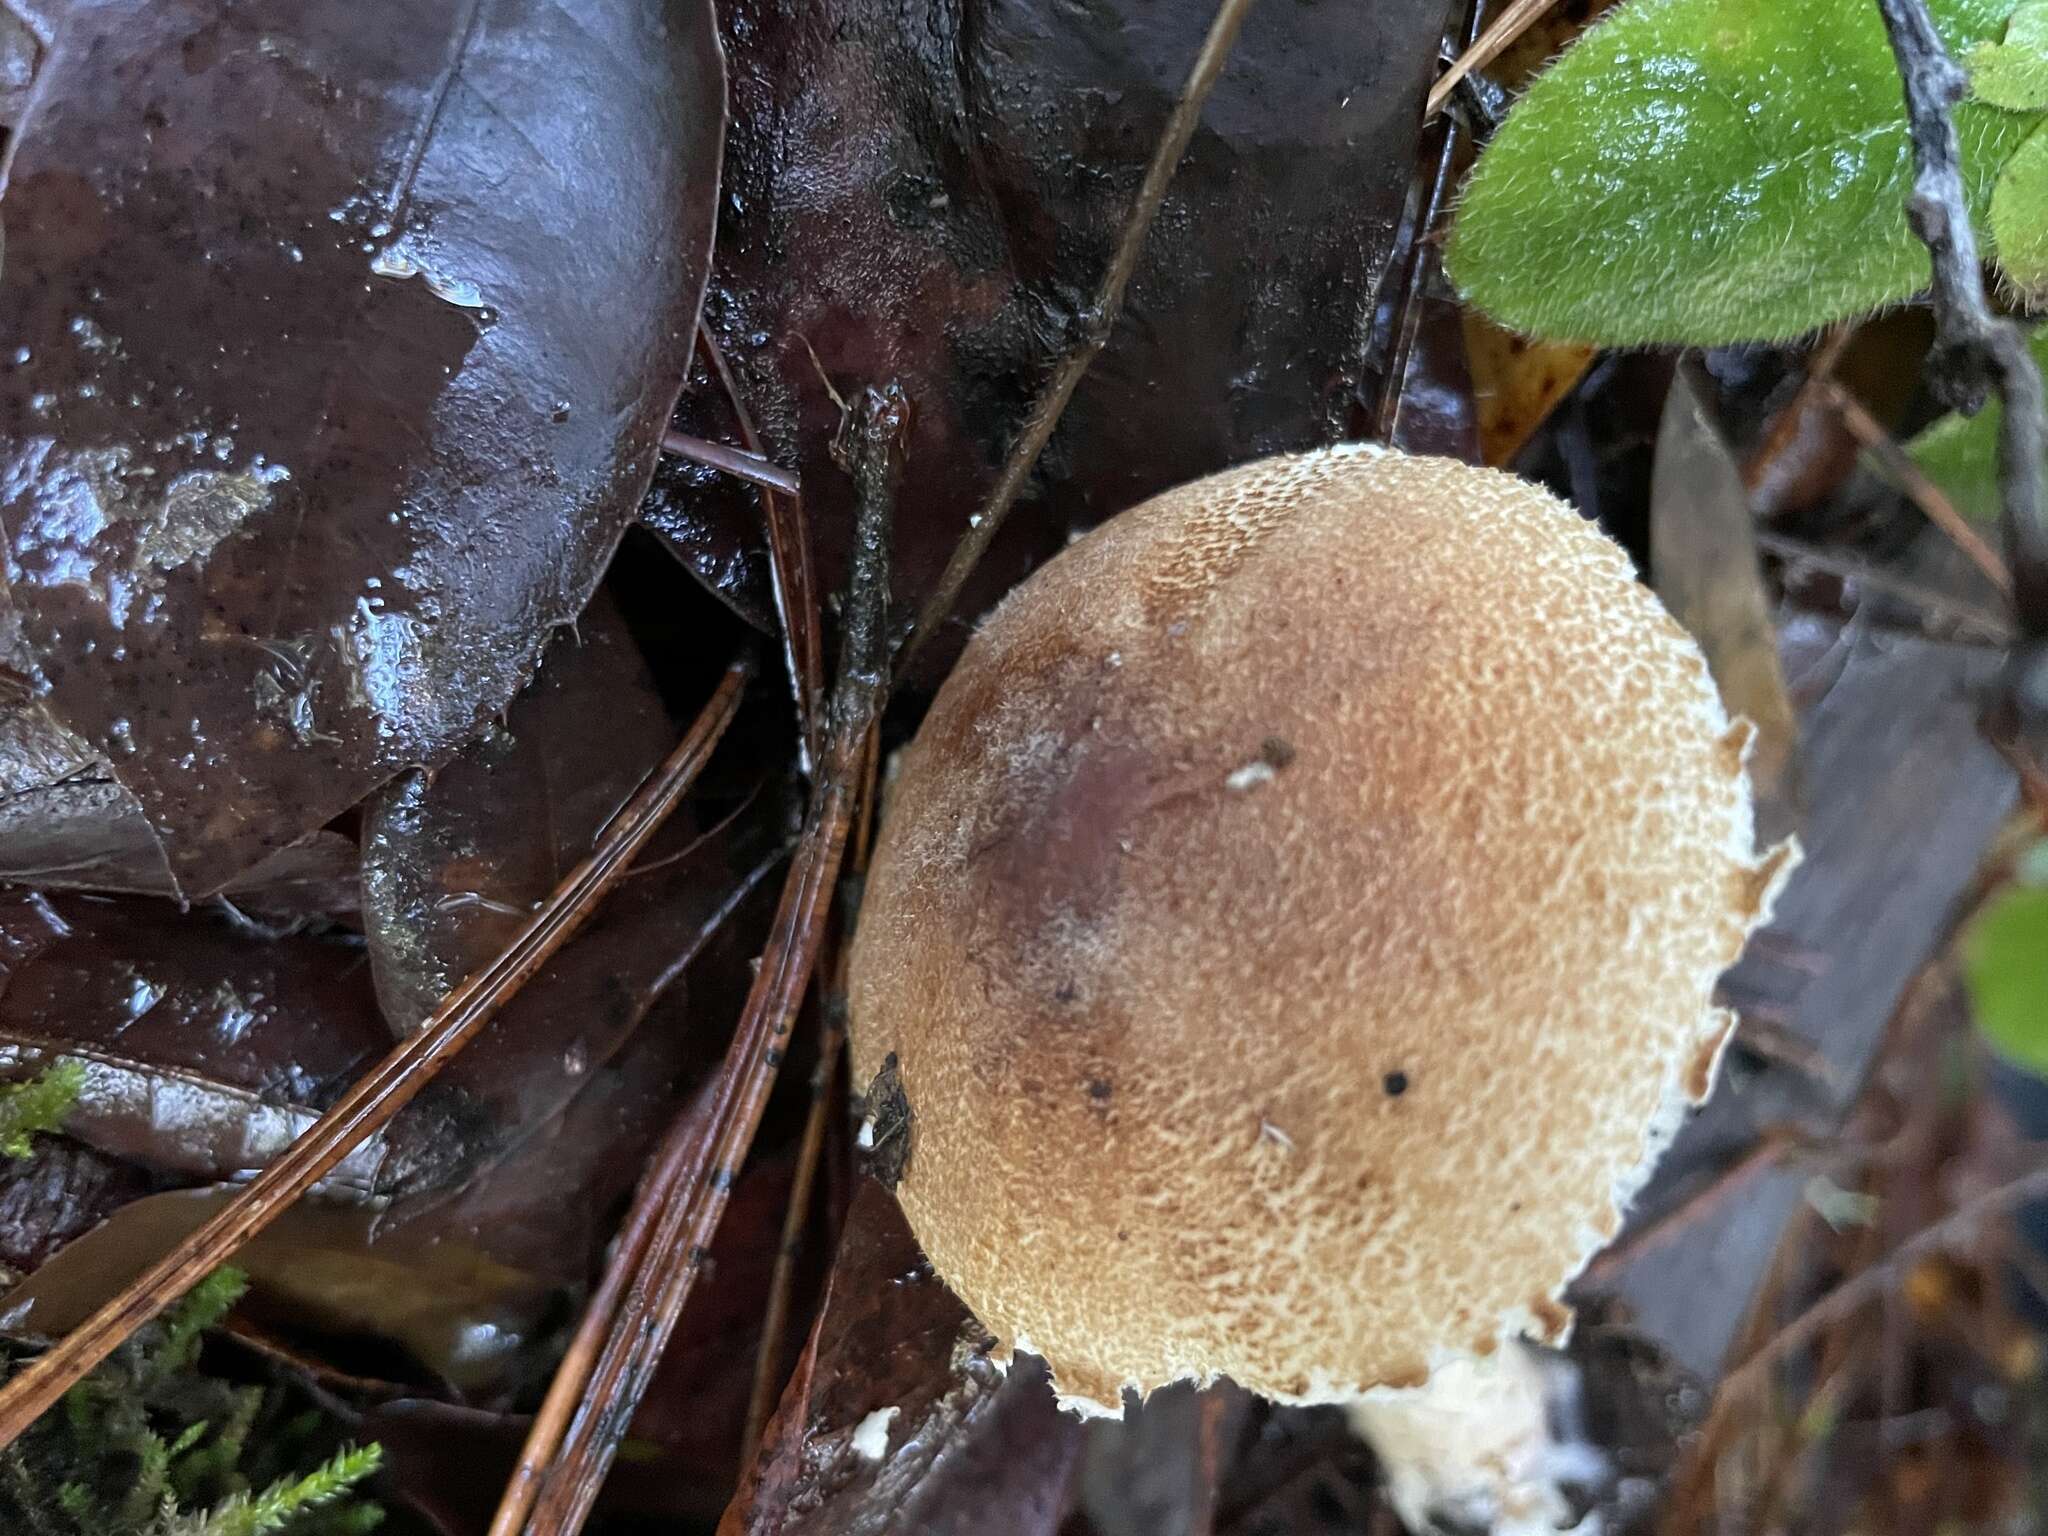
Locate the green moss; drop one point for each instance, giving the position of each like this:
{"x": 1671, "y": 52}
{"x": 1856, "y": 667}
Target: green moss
{"x": 37, "y": 1106}
{"x": 152, "y": 1445}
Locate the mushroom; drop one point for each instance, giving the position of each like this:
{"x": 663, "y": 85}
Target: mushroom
{"x": 1292, "y": 941}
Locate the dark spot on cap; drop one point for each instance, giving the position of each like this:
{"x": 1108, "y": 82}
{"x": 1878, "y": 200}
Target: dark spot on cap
{"x": 1276, "y": 752}
{"x": 1396, "y": 1084}
{"x": 1099, "y": 1089}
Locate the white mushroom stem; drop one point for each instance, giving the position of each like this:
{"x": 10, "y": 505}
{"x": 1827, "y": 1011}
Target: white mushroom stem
{"x": 1490, "y": 1444}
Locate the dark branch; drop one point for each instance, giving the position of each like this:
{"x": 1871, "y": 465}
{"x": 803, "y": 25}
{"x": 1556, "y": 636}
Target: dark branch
{"x": 1975, "y": 351}
{"x": 1096, "y": 324}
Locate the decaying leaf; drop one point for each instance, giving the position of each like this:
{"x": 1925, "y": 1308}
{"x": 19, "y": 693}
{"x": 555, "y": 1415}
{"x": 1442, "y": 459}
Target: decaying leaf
{"x": 1707, "y": 171}
{"x": 206, "y": 1050}
{"x": 340, "y": 353}
{"x": 1704, "y": 564}
{"x": 931, "y": 199}
{"x": 1517, "y": 382}
{"x": 895, "y": 1420}
{"x": 456, "y": 860}
{"x": 460, "y": 1315}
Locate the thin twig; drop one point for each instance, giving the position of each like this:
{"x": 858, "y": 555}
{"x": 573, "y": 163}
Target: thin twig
{"x": 1414, "y": 249}
{"x": 754, "y": 468}
{"x": 1932, "y": 501}
{"x": 1993, "y": 628}
{"x": 1867, "y": 1284}
{"x": 1095, "y": 324}
{"x": 687, "y": 1206}
{"x": 1518, "y": 18}
{"x": 824, "y": 1082}
{"x": 381, "y": 1093}
{"x": 768, "y": 1359}
{"x": 1974, "y": 350}
{"x": 789, "y": 570}
{"x": 680, "y": 1146}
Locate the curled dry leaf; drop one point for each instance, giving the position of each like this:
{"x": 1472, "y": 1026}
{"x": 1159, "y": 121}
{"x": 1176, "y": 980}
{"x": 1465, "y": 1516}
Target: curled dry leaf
{"x": 456, "y": 860}
{"x": 895, "y": 1420}
{"x": 931, "y": 200}
{"x": 1704, "y": 564}
{"x": 340, "y": 357}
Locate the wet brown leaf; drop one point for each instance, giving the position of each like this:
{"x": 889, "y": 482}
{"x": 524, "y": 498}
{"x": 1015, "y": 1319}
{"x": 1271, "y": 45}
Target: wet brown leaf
{"x": 456, "y": 860}
{"x": 895, "y": 1356}
{"x": 207, "y": 1049}
{"x": 459, "y": 1315}
{"x": 59, "y": 1193}
{"x": 930, "y": 199}
{"x": 342, "y": 353}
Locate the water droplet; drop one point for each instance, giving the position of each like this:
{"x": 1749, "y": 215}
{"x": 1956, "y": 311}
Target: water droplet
{"x": 21, "y": 356}
{"x": 121, "y": 737}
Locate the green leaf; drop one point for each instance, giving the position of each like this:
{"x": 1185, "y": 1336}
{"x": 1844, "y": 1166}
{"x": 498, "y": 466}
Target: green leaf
{"x": 2014, "y": 73}
{"x": 2019, "y": 216}
{"x": 2005, "y": 963}
{"x": 1960, "y": 453}
{"x": 1710, "y": 171}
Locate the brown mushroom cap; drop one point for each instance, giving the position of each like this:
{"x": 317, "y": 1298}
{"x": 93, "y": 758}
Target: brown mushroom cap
{"x": 1295, "y": 925}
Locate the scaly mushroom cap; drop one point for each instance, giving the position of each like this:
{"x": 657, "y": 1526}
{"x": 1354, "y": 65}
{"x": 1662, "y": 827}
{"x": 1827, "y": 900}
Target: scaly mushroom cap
{"x": 1295, "y": 925}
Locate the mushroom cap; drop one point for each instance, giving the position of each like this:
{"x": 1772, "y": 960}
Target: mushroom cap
{"x": 1295, "y": 927}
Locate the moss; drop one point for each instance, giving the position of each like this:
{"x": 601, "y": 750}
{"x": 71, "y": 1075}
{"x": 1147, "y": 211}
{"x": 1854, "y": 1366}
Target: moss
{"x": 151, "y": 1444}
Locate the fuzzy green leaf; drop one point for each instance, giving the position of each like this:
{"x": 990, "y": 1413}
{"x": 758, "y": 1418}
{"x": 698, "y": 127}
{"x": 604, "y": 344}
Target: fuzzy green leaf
{"x": 2014, "y": 73}
{"x": 1710, "y": 171}
{"x": 2005, "y": 963}
{"x": 2019, "y": 216}
{"x": 1960, "y": 453}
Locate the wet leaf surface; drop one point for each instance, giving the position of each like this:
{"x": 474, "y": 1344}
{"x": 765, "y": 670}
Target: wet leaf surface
{"x": 933, "y": 203}
{"x": 60, "y": 1193}
{"x": 207, "y": 1049}
{"x": 895, "y": 1419}
{"x": 432, "y": 1312}
{"x": 456, "y": 860}
{"x": 342, "y": 352}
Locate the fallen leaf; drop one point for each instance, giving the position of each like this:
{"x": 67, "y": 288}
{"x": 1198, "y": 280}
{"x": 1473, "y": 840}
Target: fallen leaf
{"x": 207, "y": 1050}
{"x": 932, "y": 199}
{"x": 1704, "y": 565}
{"x": 1517, "y": 383}
{"x": 58, "y": 1193}
{"x": 341, "y": 354}
{"x": 456, "y": 861}
{"x": 320, "y": 1269}
{"x": 896, "y": 1421}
